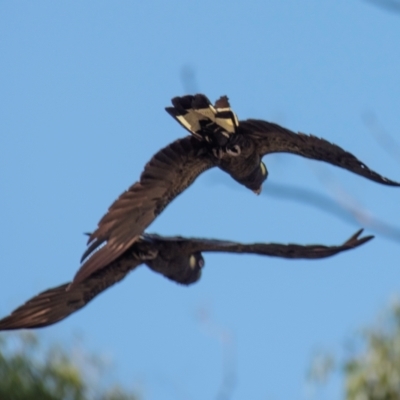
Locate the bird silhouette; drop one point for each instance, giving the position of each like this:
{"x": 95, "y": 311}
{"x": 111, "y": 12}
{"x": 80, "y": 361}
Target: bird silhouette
{"x": 217, "y": 139}
{"x": 177, "y": 258}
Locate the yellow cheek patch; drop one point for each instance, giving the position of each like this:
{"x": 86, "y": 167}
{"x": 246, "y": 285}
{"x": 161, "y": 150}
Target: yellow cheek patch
{"x": 192, "y": 262}
{"x": 263, "y": 168}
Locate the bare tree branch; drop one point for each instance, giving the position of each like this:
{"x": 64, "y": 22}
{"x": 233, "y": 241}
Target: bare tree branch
{"x": 345, "y": 200}
{"x": 225, "y": 337}
{"x": 381, "y": 135}
{"x": 189, "y": 79}
{"x": 343, "y": 205}
{"x": 389, "y": 5}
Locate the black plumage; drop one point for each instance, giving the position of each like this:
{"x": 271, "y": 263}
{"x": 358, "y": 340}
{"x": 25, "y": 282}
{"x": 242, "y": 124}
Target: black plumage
{"x": 217, "y": 139}
{"x": 177, "y": 258}
{"x": 246, "y": 142}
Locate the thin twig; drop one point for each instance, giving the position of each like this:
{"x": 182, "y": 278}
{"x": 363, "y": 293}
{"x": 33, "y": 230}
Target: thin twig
{"x": 381, "y": 135}
{"x": 389, "y": 5}
{"x": 348, "y": 202}
{"x": 189, "y": 79}
{"x": 225, "y": 337}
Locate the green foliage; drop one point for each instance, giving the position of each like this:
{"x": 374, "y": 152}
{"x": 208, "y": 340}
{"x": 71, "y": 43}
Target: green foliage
{"x": 29, "y": 372}
{"x": 374, "y": 374}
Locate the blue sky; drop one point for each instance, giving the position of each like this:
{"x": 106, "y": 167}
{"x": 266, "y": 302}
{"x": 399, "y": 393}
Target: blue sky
{"x": 83, "y": 89}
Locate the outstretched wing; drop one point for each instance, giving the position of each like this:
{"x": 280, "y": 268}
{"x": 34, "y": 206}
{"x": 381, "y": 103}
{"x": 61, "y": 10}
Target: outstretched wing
{"x": 271, "y": 249}
{"x": 272, "y": 138}
{"x": 168, "y": 173}
{"x": 55, "y": 304}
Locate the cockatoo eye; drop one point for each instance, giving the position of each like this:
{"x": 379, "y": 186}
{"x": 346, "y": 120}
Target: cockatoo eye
{"x": 234, "y": 150}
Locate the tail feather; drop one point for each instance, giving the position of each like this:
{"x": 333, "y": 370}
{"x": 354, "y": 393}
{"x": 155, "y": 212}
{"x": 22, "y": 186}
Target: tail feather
{"x": 203, "y": 120}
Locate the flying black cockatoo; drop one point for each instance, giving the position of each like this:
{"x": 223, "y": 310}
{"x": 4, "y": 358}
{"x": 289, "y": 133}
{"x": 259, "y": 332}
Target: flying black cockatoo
{"x": 217, "y": 139}
{"x": 177, "y": 258}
